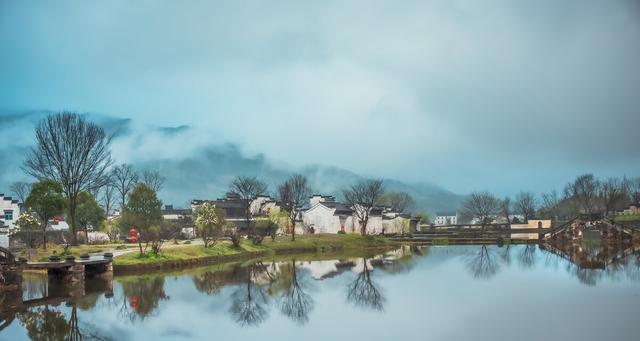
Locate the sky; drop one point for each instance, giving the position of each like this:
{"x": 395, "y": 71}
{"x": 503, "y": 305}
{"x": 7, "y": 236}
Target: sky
{"x": 469, "y": 95}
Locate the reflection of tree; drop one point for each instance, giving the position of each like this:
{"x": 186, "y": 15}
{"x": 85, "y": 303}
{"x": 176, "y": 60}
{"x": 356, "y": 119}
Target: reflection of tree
{"x": 295, "y": 302}
{"x": 506, "y": 254}
{"x": 44, "y": 323}
{"x": 483, "y": 264}
{"x": 527, "y": 256}
{"x": 208, "y": 282}
{"x": 249, "y": 301}
{"x": 142, "y": 296}
{"x": 363, "y": 292}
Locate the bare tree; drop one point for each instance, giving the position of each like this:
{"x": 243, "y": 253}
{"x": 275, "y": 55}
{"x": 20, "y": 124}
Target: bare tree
{"x": 362, "y": 197}
{"x": 124, "y": 179}
{"x": 505, "y": 209}
{"x": 73, "y": 152}
{"x": 21, "y": 190}
{"x": 247, "y": 189}
{"x": 612, "y": 192}
{"x": 153, "y": 179}
{"x": 633, "y": 188}
{"x": 526, "y": 205}
{"x": 397, "y": 201}
{"x": 108, "y": 192}
{"x": 481, "y": 205}
{"x": 584, "y": 190}
{"x": 293, "y": 193}
{"x": 551, "y": 204}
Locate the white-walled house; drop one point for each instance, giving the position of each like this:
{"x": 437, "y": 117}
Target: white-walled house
{"x": 446, "y": 218}
{"x": 9, "y": 213}
{"x": 325, "y": 215}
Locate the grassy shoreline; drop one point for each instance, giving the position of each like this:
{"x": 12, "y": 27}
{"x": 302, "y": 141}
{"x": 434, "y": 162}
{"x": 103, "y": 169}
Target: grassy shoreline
{"x": 196, "y": 255}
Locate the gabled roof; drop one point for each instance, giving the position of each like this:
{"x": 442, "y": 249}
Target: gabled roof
{"x": 446, "y": 214}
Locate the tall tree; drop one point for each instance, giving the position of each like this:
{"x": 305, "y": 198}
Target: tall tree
{"x": 481, "y": 205}
{"x": 90, "y": 214}
{"x": 124, "y": 179}
{"x": 551, "y": 204}
{"x": 584, "y": 190}
{"x": 526, "y": 205}
{"x": 46, "y": 200}
{"x": 143, "y": 212}
{"x": 73, "y": 152}
{"x": 21, "y": 190}
{"x": 247, "y": 189}
{"x": 397, "y": 201}
{"x": 362, "y": 197}
{"x": 108, "y": 196}
{"x": 293, "y": 193}
{"x": 505, "y": 209}
{"x": 612, "y": 192}
{"x": 153, "y": 179}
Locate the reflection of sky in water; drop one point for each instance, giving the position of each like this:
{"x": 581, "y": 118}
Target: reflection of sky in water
{"x": 449, "y": 294}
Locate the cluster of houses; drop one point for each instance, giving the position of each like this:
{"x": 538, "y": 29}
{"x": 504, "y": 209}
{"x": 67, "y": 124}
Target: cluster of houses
{"x": 321, "y": 214}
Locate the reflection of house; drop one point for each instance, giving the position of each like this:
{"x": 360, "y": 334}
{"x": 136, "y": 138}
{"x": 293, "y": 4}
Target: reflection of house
{"x": 446, "y": 218}
{"x": 531, "y": 224}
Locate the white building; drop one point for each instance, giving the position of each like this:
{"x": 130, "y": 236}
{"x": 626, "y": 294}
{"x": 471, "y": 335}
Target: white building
{"x": 9, "y": 213}
{"x": 325, "y": 215}
{"x": 446, "y": 218}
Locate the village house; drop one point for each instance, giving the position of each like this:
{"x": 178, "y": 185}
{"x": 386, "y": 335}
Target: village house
{"x": 634, "y": 208}
{"x": 446, "y": 218}
{"x": 9, "y": 212}
{"x": 180, "y": 218}
{"x": 234, "y": 208}
{"x": 326, "y": 215}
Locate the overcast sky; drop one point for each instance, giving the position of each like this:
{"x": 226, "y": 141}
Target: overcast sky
{"x": 469, "y": 95}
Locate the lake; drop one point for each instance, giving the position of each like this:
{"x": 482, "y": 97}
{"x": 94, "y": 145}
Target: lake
{"x": 414, "y": 293}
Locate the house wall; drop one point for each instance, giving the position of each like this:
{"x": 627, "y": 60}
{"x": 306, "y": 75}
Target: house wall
{"x": 397, "y": 225}
{"x": 7, "y": 204}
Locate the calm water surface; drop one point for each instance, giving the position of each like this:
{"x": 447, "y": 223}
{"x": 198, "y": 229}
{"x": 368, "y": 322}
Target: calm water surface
{"x": 426, "y": 293}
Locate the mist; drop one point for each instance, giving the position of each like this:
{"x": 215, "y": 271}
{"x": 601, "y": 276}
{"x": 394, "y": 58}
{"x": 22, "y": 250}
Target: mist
{"x": 468, "y": 95}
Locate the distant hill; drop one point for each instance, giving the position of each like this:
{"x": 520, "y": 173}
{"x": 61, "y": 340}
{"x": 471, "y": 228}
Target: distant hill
{"x": 209, "y": 174}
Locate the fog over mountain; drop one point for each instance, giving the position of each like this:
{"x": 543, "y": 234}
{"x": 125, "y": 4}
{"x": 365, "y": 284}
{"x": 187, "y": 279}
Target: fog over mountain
{"x": 197, "y": 166}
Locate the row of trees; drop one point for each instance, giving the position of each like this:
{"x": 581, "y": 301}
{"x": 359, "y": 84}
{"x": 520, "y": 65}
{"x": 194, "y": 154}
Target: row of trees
{"x": 585, "y": 194}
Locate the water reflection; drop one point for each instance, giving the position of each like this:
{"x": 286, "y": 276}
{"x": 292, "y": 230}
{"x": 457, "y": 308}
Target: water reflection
{"x": 40, "y": 308}
{"x": 483, "y": 263}
{"x": 249, "y": 301}
{"x": 141, "y": 296}
{"x": 250, "y": 294}
{"x": 295, "y": 301}
{"x": 363, "y": 291}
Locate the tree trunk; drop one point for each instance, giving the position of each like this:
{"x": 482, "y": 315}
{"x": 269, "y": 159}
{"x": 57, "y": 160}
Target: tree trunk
{"x": 44, "y": 238}
{"x": 293, "y": 230}
{"x": 72, "y": 219}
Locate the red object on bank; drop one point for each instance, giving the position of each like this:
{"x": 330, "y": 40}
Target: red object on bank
{"x": 133, "y": 240}
{"x": 133, "y": 232}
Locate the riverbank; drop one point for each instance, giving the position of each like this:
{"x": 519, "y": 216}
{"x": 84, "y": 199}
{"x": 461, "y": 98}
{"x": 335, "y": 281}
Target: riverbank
{"x": 197, "y": 255}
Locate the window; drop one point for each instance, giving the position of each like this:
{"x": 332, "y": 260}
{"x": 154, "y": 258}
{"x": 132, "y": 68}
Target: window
{"x": 8, "y": 215}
